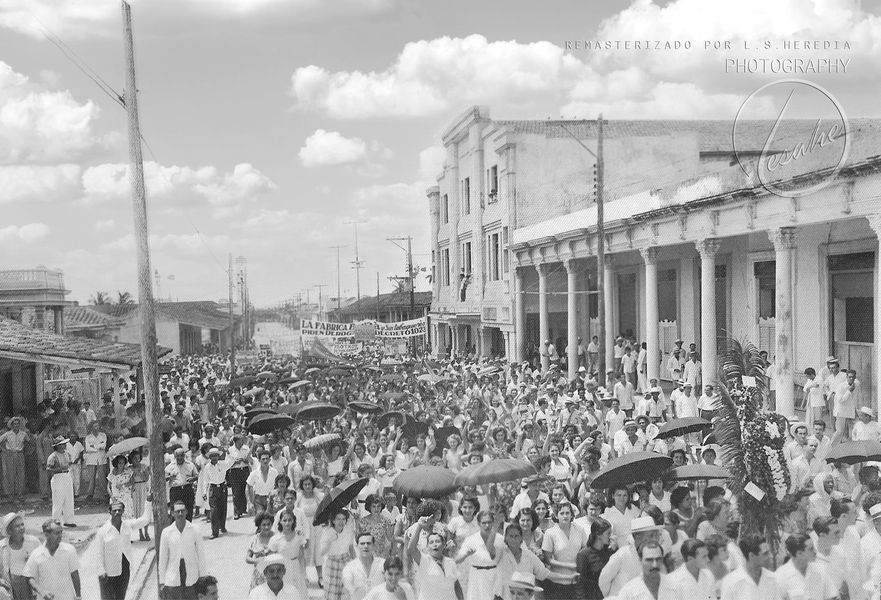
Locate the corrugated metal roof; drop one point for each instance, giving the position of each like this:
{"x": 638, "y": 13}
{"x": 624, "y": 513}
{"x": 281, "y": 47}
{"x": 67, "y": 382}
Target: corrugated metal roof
{"x": 204, "y": 313}
{"x": 84, "y": 317}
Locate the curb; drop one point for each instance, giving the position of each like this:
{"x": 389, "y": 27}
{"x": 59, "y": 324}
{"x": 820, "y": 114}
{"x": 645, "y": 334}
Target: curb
{"x": 141, "y": 574}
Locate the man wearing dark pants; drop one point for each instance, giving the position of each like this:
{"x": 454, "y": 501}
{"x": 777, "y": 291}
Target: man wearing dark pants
{"x": 114, "y": 549}
{"x": 181, "y": 475}
{"x": 239, "y": 469}
{"x": 181, "y": 557}
{"x": 215, "y": 478}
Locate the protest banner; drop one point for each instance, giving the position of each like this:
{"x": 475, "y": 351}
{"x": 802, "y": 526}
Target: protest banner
{"x": 402, "y": 329}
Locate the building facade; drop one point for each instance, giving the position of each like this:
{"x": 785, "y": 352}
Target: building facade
{"x": 500, "y": 176}
{"x": 34, "y": 297}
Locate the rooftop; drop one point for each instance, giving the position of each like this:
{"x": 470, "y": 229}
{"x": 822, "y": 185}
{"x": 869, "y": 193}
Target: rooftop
{"x": 20, "y": 342}
{"x": 401, "y": 300}
{"x": 77, "y": 318}
{"x": 202, "y": 313}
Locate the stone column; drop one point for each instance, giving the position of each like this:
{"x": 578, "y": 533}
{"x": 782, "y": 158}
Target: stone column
{"x": 519, "y": 317}
{"x": 708, "y": 249}
{"x": 508, "y": 352}
{"x": 609, "y": 326}
{"x": 571, "y": 317}
{"x": 58, "y": 313}
{"x": 875, "y": 223}
{"x": 543, "y": 328}
{"x": 653, "y": 359}
{"x": 784, "y": 240}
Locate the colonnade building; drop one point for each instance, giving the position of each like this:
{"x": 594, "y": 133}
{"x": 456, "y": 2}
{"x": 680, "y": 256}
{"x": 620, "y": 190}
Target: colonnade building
{"x": 697, "y": 245}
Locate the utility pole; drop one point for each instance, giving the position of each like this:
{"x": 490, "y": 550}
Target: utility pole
{"x": 601, "y": 257}
{"x": 410, "y": 273}
{"x": 377, "y": 296}
{"x": 232, "y": 330}
{"x": 358, "y": 263}
{"x": 320, "y": 286}
{"x": 338, "y": 279}
{"x": 149, "y": 359}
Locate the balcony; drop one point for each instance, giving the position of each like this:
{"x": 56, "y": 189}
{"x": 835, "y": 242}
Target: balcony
{"x": 40, "y": 286}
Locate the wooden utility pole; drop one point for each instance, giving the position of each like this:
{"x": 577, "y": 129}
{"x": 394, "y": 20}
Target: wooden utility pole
{"x": 338, "y": 292}
{"x": 232, "y": 328}
{"x": 149, "y": 360}
{"x": 601, "y": 258}
{"x": 377, "y": 296}
{"x": 320, "y": 301}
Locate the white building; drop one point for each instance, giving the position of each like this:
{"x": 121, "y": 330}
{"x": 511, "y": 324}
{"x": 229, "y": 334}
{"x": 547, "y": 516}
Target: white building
{"x": 676, "y": 201}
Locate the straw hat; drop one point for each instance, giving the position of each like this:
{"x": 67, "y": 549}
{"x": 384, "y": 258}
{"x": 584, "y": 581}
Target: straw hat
{"x": 523, "y": 581}
{"x": 643, "y": 525}
{"x": 8, "y": 519}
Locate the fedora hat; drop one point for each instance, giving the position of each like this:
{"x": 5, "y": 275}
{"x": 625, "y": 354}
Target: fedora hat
{"x": 523, "y": 581}
{"x": 59, "y": 439}
{"x": 643, "y": 525}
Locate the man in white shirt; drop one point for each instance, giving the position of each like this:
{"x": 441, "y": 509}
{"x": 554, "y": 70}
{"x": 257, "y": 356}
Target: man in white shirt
{"x": 12, "y": 443}
{"x": 686, "y": 403}
{"x": 95, "y": 463}
{"x": 261, "y": 482}
{"x": 618, "y": 353}
{"x": 628, "y": 366}
{"x": 866, "y": 427}
{"x": 623, "y": 391}
{"x": 753, "y": 581}
{"x": 392, "y": 588}
{"x": 274, "y": 587}
{"x": 870, "y": 543}
{"x": 806, "y": 466}
{"x": 181, "y": 555}
{"x": 364, "y": 572}
{"x": 53, "y": 568}
{"x": 593, "y": 354}
{"x": 674, "y": 365}
{"x": 114, "y": 543}
{"x": 707, "y": 403}
{"x": 626, "y": 564}
{"x": 799, "y": 575}
{"x": 646, "y": 586}
{"x": 614, "y": 419}
{"x": 692, "y": 580}
{"x": 692, "y": 371}
{"x": 526, "y": 498}
{"x": 641, "y": 369}
{"x": 848, "y": 397}
{"x": 581, "y": 352}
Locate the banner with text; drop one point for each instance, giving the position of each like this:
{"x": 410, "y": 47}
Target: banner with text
{"x": 338, "y": 338}
{"x": 402, "y": 329}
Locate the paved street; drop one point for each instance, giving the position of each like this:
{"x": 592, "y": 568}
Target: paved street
{"x": 226, "y": 561}
{"x": 279, "y": 337}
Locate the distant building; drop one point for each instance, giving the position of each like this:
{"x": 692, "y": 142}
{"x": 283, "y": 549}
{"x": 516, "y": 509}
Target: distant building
{"x": 34, "y": 297}
{"x": 185, "y": 327}
{"x": 391, "y": 308}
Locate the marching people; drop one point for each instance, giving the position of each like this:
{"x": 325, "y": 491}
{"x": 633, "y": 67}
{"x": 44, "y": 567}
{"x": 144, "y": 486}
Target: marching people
{"x": 181, "y": 476}
{"x": 274, "y": 586}
{"x": 181, "y": 557}
{"x": 364, "y": 572}
{"x": 15, "y": 549}
{"x": 114, "y": 549}
{"x": 52, "y": 569}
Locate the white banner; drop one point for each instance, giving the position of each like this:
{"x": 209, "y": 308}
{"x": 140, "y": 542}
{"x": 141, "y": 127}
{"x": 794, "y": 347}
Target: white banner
{"x": 402, "y": 329}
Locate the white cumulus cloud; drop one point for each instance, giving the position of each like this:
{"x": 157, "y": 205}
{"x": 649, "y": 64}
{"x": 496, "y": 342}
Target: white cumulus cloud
{"x": 28, "y": 234}
{"x": 329, "y": 148}
{"x": 39, "y": 183}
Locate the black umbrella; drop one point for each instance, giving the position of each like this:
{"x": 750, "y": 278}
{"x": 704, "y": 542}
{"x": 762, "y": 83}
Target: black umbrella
{"x": 631, "y": 468}
{"x": 260, "y": 410}
{"x": 442, "y": 435}
{"x": 392, "y": 396}
{"x": 242, "y": 381}
{"x": 392, "y": 377}
{"x": 412, "y": 428}
{"x": 289, "y": 409}
{"x": 266, "y": 423}
{"x": 317, "y": 410}
{"x": 676, "y": 427}
{"x": 383, "y": 421}
{"x": 697, "y": 472}
{"x": 338, "y": 498}
{"x": 425, "y": 481}
{"x": 852, "y": 453}
{"x": 287, "y": 380}
{"x": 365, "y": 407}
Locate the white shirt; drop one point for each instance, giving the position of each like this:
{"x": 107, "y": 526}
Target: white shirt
{"x": 738, "y": 585}
{"x": 380, "y": 593}
{"x": 52, "y": 572}
{"x": 620, "y": 523}
{"x": 623, "y": 566}
{"x": 358, "y": 581}
{"x": 636, "y": 589}
{"x": 262, "y": 592}
{"x": 176, "y": 545}
{"x": 95, "y": 447}
{"x": 681, "y": 584}
{"x": 262, "y": 487}
{"x": 113, "y": 544}
{"x": 435, "y": 581}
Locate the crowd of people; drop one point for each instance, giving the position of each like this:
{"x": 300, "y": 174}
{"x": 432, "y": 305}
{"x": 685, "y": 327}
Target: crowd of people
{"x": 549, "y": 535}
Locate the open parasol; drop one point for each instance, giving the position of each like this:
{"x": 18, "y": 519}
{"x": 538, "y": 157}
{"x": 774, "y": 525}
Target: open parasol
{"x": 289, "y": 409}
{"x": 425, "y": 481}
{"x": 676, "y": 427}
{"x": 317, "y": 410}
{"x": 852, "y": 453}
{"x": 390, "y": 362}
{"x": 365, "y": 407}
{"x": 260, "y": 410}
{"x": 372, "y": 368}
{"x": 242, "y": 381}
{"x": 253, "y": 392}
{"x": 631, "y": 468}
{"x": 126, "y": 446}
{"x": 489, "y": 371}
{"x": 338, "y": 498}
{"x": 311, "y": 370}
{"x": 392, "y": 377}
{"x": 265, "y": 423}
{"x": 392, "y": 396}
{"x": 299, "y": 384}
{"x": 697, "y": 472}
{"x": 287, "y": 380}
{"x": 321, "y": 441}
{"x": 495, "y": 471}
{"x": 383, "y": 421}
{"x": 267, "y": 375}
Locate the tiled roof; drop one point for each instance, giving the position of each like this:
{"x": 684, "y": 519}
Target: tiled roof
{"x": 198, "y": 314}
{"x": 84, "y": 317}
{"x": 396, "y": 300}
{"x": 17, "y": 340}
{"x": 713, "y": 135}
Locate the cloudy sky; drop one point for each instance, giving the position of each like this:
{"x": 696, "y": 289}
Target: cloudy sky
{"x": 272, "y": 124}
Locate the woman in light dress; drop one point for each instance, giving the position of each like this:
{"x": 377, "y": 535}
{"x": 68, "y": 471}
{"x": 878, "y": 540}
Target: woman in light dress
{"x": 258, "y": 548}
{"x": 140, "y": 488}
{"x": 119, "y": 485}
{"x": 290, "y": 544}
{"x": 308, "y": 500}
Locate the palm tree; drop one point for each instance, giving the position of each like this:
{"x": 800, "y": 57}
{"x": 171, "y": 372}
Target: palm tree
{"x": 124, "y": 298}
{"x": 99, "y": 298}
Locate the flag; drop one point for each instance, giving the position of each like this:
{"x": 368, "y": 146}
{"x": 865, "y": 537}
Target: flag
{"x": 319, "y": 350}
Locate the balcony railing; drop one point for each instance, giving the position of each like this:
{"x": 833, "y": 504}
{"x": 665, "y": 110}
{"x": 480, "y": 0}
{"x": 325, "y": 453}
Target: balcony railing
{"x": 31, "y": 279}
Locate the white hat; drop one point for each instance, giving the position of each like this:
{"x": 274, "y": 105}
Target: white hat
{"x": 645, "y": 524}
{"x": 523, "y": 581}
{"x": 868, "y": 411}
{"x": 582, "y": 370}
{"x": 875, "y": 511}
{"x": 273, "y": 559}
